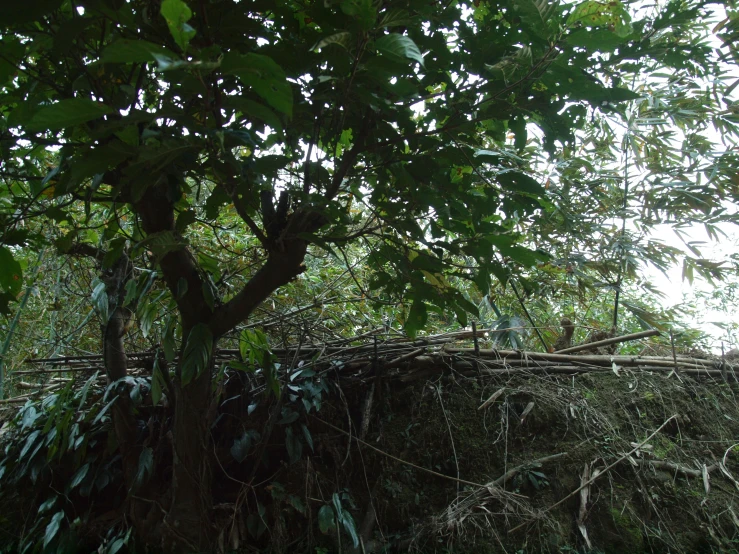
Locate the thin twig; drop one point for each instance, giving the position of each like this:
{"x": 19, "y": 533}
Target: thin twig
{"x": 419, "y": 468}
{"x": 603, "y": 472}
{"x": 449, "y": 428}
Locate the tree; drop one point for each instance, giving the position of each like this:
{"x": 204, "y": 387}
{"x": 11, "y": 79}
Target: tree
{"x": 314, "y": 126}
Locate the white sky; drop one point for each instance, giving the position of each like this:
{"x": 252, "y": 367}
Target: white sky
{"x": 677, "y": 290}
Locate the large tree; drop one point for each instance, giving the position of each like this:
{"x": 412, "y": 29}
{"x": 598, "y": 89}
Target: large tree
{"x": 314, "y": 124}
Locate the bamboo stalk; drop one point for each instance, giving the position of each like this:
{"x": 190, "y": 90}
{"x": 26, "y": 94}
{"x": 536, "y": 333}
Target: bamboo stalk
{"x": 607, "y": 342}
{"x": 544, "y": 356}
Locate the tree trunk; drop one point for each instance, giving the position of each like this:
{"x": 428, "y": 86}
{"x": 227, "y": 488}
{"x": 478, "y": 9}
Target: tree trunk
{"x": 116, "y": 362}
{"x": 188, "y": 523}
{"x": 116, "y": 368}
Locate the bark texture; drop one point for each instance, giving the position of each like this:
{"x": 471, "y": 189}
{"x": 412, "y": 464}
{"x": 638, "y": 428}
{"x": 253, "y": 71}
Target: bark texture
{"x": 188, "y": 523}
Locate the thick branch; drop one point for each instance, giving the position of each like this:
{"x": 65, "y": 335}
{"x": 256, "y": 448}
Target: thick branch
{"x": 82, "y": 249}
{"x": 157, "y": 215}
{"x": 280, "y": 268}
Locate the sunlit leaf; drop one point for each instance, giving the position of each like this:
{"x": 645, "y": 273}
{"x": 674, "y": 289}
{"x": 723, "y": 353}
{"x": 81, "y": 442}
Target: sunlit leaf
{"x": 399, "y": 46}
{"x": 263, "y": 75}
{"x": 52, "y": 529}
{"x": 176, "y": 13}
{"x": 67, "y": 113}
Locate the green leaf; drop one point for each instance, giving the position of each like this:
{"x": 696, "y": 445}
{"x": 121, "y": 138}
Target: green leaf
{"x": 598, "y": 95}
{"x": 168, "y": 340}
{"x": 82, "y": 394}
{"x": 399, "y": 46}
{"x": 115, "y": 251}
{"x": 146, "y": 467}
{"x": 520, "y": 182}
{"x": 185, "y": 218}
{"x": 346, "y": 519}
{"x": 397, "y": 18}
{"x": 100, "y": 301}
{"x": 343, "y": 39}
{"x": 117, "y": 544}
{"x": 263, "y": 75}
{"x": 162, "y": 243}
{"x": 416, "y": 318}
{"x": 363, "y": 11}
{"x": 134, "y": 51}
{"x": 467, "y": 306}
{"x": 297, "y": 503}
{"x": 53, "y": 527}
{"x": 48, "y": 504}
{"x": 253, "y": 346}
{"x": 602, "y": 40}
{"x": 147, "y": 313}
{"x": 522, "y": 255}
{"x": 293, "y": 445}
{"x": 11, "y": 53}
{"x": 255, "y": 522}
{"x": 197, "y": 352}
{"x": 611, "y": 14}
{"x": 326, "y": 519}
{"x": 461, "y": 316}
{"x": 78, "y": 477}
{"x": 538, "y": 15}
{"x": 254, "y": 110}
{"x": 518, "y": 126}
{"x": 646, "y": 319}
{"x": 307, "y": 435}
{"x": 105, "y": 409}
{"x": 177, "y": 14}
{"x": 30, "y": 441}
{"x": 67, "y": 113}
{"x": 241, "y": 446}
{"x": 209, "y": 293}
{"x": 11, "y": 274}
{"x": 157, "y": 382}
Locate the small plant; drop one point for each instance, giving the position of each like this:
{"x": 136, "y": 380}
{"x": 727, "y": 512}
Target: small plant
{"x": 536, "y": 479}
{"x": 333, "y": 516}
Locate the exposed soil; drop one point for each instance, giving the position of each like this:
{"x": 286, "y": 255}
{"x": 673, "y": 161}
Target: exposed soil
{"x": 429, "y": 473}
{"x": 645, "y": 503}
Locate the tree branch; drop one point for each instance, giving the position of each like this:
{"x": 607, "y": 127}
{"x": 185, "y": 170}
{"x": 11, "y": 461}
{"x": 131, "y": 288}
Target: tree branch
{"x": 349, "y": 157}
{"x": 280, "y": 268}
{"x": 158, "y": 215}
{"x": 230, "y": 189}
{"x": 82, "y": 249}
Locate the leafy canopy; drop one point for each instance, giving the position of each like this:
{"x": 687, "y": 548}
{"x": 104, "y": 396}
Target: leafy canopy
{"x": 409, "y": 125}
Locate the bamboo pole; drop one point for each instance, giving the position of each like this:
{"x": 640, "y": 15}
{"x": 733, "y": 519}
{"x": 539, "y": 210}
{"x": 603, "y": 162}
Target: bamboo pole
{"x": 607, "y": 342}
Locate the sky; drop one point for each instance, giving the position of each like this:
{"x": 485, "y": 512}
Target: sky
{"x": 678, "y": 290}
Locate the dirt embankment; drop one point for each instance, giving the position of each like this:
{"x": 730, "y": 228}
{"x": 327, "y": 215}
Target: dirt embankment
{"x": 634, "y": 462}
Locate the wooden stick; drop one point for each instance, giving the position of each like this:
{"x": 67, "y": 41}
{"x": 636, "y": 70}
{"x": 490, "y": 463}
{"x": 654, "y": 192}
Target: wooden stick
{"x": 15, "y": 400}
{"x": 502, "y": 355}
{"x": 606, "y": 342}
{"x": 674, "y": 356}
{"x": 508, "y": 475}
{"x": 660, "y": 464}
{"x": 404, "y": 358}
{"x": 60, "y": 370}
